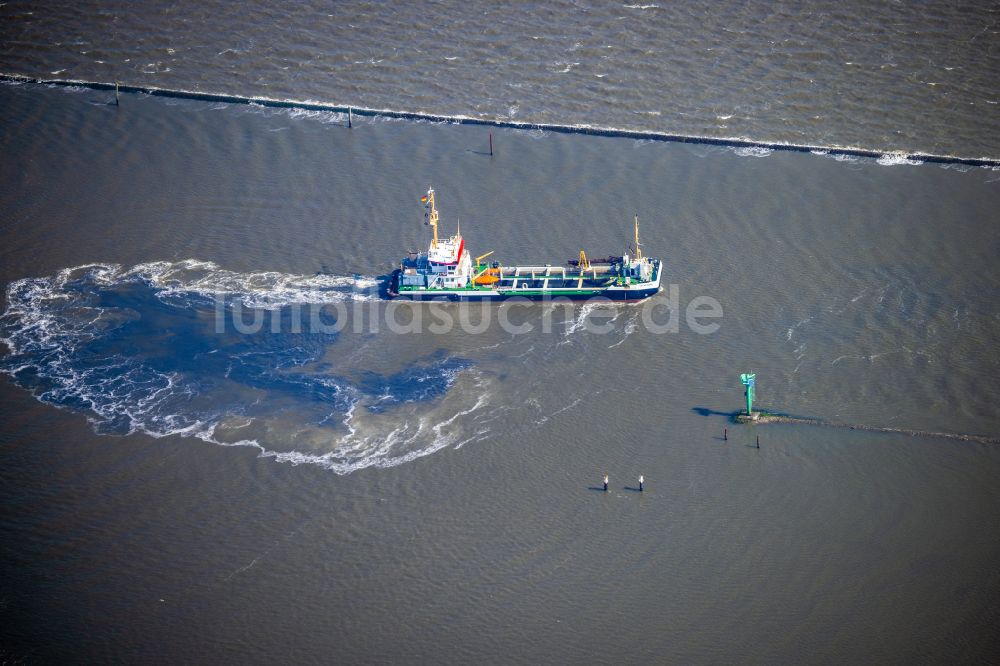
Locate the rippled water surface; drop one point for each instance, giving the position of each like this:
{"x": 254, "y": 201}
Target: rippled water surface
{"x": 885, "y": 76}
{"x": 218, "y": 443}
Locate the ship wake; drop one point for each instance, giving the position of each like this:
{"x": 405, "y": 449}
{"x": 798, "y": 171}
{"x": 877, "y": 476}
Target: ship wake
{"x": 154, "y": 349}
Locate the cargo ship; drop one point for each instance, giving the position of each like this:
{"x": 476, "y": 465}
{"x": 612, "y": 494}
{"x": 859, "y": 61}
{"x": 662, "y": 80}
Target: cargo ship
{"x": 447, "y": 271}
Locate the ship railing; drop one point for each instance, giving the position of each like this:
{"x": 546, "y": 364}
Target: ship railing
{"x": 536, "y": 272}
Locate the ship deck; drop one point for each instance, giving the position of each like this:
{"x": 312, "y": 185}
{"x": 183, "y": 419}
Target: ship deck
{"x": 551, "y": 277}
{"x": 540, "y": 279}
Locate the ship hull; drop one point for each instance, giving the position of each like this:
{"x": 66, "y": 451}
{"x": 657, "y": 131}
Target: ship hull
{"x": 631, "y": 295}
{"x": 632, "y": 292}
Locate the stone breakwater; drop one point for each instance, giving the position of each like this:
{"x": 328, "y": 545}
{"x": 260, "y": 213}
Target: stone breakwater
{"x": 732, "y": 142}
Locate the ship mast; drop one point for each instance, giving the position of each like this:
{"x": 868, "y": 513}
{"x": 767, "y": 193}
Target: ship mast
{"x": 638, "y": 252}
{"x": 432, "y": 215}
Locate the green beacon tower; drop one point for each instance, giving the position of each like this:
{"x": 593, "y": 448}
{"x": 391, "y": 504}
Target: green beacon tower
{"x": 749, "y": 380}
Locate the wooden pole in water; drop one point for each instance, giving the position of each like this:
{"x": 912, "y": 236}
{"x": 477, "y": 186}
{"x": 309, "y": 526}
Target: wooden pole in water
{"x": 758, "y": 441}
{"x": 491, "y": 144}
{"x": 605, "y": 483}
{"x": 725, "y": 434}
{"x": 350, "y": 118}
{"x": 641, "y": 482}
{"x": 116, "y": 94}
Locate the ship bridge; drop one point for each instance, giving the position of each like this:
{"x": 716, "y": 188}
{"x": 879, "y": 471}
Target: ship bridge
{"x": 447, "y": 251}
